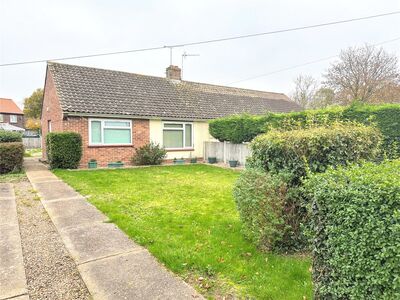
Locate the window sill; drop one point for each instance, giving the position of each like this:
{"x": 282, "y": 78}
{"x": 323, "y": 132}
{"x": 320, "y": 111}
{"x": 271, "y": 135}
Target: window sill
{"x": 179, "y": 149}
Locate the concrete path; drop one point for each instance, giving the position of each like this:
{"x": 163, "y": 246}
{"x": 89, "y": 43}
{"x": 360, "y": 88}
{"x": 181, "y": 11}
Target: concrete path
{"x": 12, "y": 272}
{"x": 111, "y": 265}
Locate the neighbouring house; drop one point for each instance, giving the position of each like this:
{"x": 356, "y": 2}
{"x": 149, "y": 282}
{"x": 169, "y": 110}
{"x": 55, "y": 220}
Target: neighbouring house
{"x": 116, "y": 112}
{"x": 11, "y": 116}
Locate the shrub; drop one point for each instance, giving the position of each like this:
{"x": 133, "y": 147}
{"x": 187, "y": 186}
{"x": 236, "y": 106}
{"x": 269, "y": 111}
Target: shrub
{"x": 288, "y": 157}
{"x": 386, "y": 118}
{"x": 258, "y": 197}
{"x": 10, "y": 136}
{"x": 356, "y": 222}
{"x": 11, "y": 157}
{"x": 314, "y": 149}
{"x": 237, "y": 128}
{"x": 149, "y": 154}
{"x": 64, "y": 149}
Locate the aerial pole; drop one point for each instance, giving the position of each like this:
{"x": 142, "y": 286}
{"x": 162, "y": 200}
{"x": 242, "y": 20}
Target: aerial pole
{"x": 184, "y": 56}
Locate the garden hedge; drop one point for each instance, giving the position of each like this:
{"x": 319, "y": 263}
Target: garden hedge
{"x": 287, "y": 158}
{"x": 11, "y": 157}
{"x": 299, "y": 151}
{"x": 243, "y": 128}
{"x": 10, "y": 136}
{"x": 260, "y": 200}
{"x": 64, "y": 149}
{"x": 237, "y": 128}
{"x": 356, "y": 223}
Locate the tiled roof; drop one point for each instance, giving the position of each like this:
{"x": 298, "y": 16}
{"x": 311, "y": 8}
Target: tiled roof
{"x": 8, "y": 106}
{"x": 84, "y": 90}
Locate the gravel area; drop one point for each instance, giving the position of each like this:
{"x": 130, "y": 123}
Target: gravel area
{"x": 50, "y": 271}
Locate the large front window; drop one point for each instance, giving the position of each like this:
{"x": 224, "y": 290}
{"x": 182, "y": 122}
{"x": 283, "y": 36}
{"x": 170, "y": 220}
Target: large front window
{"x": 110, "y": 132}
{"x": 177, "y": 135}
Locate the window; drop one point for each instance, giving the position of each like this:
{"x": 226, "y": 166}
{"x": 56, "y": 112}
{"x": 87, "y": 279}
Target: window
{"x": 48, "y": 126}
{"x": 110, "y": 132}
{"x": 13, "y": 119}
{"x": 1, "y": 118}
{"x": 177, "y": 135}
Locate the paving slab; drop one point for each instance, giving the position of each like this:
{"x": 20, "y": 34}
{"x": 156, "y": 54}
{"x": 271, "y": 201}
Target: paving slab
{"x": 133, "y": 276}
{"x": 44, "y": 179}
{"x": 8, "y": 211}
{"x": 54, "y": 190}
{"x": 32, "y": 175}
{"x": 36, "y": 167}
{"x": 12, "y": 272}
{"x": 73, "y": 212}
{"x": 95, "y": 241}
{"x": 6, "y": 190}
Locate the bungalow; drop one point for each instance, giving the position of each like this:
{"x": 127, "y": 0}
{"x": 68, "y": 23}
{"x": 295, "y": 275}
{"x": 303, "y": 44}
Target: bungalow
{"x": 116, "y": 112}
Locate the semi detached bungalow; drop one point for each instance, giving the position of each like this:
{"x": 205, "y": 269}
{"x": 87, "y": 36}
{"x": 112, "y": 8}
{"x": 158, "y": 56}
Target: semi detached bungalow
{"x": 116, "y": 112}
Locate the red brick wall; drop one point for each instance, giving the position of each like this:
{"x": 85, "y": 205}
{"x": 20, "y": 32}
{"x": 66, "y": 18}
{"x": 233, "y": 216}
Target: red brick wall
{"x": 106, "y": 154}
{"x": 51, "y": 111}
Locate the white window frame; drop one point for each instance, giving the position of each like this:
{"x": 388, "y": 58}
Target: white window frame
{"x": 13, "y": 119}
{"x": 109, "y": 127}
{"x": 191, "y": 147}
{"x": 1, "y": 118}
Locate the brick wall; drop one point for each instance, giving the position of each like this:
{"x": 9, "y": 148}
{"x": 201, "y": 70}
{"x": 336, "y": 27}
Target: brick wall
{"x": 106, "y": 154}
{"x": 51, "y": 111}
{"x": 20, "y": 120}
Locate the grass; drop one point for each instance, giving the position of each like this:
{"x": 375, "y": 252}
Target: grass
{"x": 12, "y": 177}
{"x": 33, "y": 152}
{"x": 186, "y": 217}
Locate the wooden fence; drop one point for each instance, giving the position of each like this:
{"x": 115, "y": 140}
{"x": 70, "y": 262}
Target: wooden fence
{"x": 225, "y": 151}
{"x": 32, "y": 142}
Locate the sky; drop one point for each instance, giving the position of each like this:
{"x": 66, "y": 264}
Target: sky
{"x": 43, "y": 30}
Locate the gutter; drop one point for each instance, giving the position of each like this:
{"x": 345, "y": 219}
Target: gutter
{"x": 77, "y": 114}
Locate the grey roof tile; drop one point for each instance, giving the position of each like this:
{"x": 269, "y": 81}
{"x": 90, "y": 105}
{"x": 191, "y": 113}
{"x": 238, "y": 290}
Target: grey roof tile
{"x": 85, "y": 90}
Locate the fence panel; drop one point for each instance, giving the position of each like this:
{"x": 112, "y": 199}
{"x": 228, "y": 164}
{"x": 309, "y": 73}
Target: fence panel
{"x": 32, "y": 142}
{"x": 225, "y": 151}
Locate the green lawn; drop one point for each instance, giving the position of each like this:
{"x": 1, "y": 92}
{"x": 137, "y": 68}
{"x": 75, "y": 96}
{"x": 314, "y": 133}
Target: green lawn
{"x": 33, "y": 152}
{"x": 186, "y": 217}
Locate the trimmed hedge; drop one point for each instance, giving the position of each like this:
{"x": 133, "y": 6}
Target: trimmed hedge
{"x": 149, "y": 154}
{"x": 10, "y": 136}
{"x": 244, "y": 128}
{"x": 64, "y": 149}
{"x": 260, "y": 200}
{"x": 356, "y": 222}
{"x": 11, "y": 157}
{"x": 299, "y": 151}
{"x": 237, "y": 128}
{"x": 287, "y": 158}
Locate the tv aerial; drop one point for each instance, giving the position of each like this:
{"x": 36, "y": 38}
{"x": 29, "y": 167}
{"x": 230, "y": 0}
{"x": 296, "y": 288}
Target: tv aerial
{"x": 184, "y": 56}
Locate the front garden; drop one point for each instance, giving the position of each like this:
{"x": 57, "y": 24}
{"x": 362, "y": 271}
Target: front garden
{"x": 322, "y": 182}
{"x": 186, "y": 216}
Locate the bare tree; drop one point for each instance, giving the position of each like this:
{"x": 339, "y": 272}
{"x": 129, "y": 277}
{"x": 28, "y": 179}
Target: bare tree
{"x": 390, "y": 94}
{"x": 323, "y": 97}
{"x": 304, "y": 92}
{"x": 362, "y": 73}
